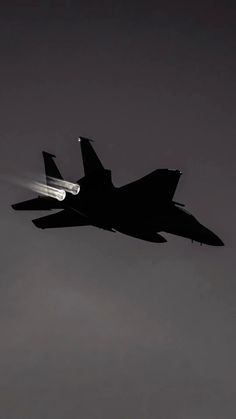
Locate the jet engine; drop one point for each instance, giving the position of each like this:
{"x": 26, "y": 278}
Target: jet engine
{"x": 69, "y": 187}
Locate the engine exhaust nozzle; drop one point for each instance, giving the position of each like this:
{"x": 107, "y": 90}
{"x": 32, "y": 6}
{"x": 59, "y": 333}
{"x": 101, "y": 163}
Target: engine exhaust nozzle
{"x": 69, "y": 187}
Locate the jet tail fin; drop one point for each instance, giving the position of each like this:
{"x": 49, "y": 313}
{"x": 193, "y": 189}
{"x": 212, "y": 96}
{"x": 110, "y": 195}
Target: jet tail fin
{"x": 91, "y": 161}
{"x": 51, "y": 169}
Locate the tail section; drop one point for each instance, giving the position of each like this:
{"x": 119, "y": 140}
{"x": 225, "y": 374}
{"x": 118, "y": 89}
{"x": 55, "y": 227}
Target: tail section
{"x": 51, "y": 169}
{"x": 91, "y": 161}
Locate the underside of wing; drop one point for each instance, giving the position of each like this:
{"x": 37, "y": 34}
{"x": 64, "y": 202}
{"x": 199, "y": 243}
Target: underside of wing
{"x": 150, "y": 236}
{"x": 65, "y": 218}
{"x": 160, "y": 184}
{"x": 36, "y": 204}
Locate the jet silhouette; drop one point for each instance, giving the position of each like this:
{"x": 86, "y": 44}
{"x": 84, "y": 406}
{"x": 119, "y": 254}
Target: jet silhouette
{"x": 141, "y": 209}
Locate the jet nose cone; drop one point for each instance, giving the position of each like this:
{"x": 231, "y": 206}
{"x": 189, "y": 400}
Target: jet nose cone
{"x": 213, "y": 239}
{"x": 217, "y": 241}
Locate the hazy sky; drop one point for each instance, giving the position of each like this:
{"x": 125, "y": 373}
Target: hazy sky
{"x": 100, "y": 325}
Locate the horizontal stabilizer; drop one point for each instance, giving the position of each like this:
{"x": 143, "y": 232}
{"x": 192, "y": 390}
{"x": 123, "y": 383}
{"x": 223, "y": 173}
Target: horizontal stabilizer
{"x": 36, "y": 204}
{"x": 65, "y": 218}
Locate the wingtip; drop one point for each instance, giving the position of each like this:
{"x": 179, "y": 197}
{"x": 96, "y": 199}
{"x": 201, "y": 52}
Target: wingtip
{"x": 45, "y": 153}
{"x": 83, "y": 139}
{"x": 36, "y": 223}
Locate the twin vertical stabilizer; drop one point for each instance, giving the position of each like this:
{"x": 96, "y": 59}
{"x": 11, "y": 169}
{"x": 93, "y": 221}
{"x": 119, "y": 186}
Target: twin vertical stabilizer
{"x": 51, "y": 169}
{"x": 91, "y": 161}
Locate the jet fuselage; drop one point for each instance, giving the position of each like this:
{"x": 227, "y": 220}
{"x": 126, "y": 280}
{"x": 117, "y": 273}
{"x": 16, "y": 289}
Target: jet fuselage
{"x": 106, "y": 209}
{"x": 141, "y": 209}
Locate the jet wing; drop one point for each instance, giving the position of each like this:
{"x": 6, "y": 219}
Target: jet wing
{"x": 36, "y": 204}
{"x": 159, "y": 185}
{"x": 65, "y": 218}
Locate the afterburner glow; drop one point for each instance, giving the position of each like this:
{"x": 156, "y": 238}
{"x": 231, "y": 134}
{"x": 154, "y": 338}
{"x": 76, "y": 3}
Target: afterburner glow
{"x": 69, "y": 187}
{"x": 50, "y": 191}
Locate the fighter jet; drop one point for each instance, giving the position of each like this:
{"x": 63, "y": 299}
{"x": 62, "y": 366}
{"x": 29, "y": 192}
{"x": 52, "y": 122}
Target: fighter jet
{"x": 141, "y": 209}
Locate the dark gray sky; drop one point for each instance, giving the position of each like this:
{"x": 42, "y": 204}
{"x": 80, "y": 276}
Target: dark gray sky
{"x": 100, "y": 325}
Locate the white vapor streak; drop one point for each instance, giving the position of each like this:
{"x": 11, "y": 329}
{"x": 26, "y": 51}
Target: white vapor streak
{"x": 56, "y": 188}
{"x": 46, "y": 190}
